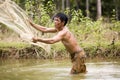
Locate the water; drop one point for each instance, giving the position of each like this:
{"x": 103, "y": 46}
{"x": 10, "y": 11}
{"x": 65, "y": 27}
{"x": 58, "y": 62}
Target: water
{"x": 57, "y": 70}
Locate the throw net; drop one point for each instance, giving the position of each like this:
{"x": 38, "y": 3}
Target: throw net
{"x": 16, "y": 18}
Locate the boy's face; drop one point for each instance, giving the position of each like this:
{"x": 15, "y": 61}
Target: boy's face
{"x": 58, "y": 23}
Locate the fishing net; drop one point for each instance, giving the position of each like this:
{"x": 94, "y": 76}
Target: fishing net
{"x": 16, "y": 18}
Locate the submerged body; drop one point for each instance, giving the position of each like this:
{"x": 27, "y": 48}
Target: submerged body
{"x": 67, "y": 38}
{"x": 77, "y": 54}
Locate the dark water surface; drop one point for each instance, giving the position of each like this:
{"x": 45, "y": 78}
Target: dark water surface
{"x": 35, "y": 69}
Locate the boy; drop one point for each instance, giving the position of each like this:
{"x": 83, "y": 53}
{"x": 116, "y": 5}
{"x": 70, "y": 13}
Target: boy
{"x": 67, "y": 38}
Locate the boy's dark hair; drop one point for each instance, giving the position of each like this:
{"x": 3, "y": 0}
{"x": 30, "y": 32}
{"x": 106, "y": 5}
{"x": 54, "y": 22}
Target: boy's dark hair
{"x": 62, "y": 17}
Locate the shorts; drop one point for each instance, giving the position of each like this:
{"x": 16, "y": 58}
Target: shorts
{"x": 78, "y": 60}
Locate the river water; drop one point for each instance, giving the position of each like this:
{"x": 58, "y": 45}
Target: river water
{"x": 35, "y": 69}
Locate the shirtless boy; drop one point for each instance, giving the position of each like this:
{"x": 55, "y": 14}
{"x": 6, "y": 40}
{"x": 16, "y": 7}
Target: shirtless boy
{"x": 67, "y": 38}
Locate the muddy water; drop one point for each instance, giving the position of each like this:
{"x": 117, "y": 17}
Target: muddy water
{"x": 57, "y": 70}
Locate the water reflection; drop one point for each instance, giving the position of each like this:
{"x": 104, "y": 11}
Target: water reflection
{"x": 56, "y": 70}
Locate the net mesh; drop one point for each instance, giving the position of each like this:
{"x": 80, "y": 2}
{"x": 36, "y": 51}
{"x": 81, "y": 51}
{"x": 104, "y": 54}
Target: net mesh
{"x": 16, "y": 18}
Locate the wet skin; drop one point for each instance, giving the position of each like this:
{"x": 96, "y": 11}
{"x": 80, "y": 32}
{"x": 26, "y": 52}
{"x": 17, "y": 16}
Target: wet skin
{"x": 63, "y": 35}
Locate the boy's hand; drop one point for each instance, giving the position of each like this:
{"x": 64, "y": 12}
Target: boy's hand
{"x": 30, "y": 22}
{"x": 34, "y": 39}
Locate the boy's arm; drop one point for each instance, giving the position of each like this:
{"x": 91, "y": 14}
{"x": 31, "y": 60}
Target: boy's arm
{"x": 41, "y": 28}
{"x": 55, "y": 39}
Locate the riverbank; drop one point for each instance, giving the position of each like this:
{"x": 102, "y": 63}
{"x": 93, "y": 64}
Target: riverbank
{"x": 27, "y": 51}
{"x": 99, "y": 39}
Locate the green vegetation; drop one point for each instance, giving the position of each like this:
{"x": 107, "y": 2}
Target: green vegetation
{"x": 17, "y": 45}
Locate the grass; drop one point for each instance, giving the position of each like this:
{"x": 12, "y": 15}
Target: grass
{"x": 13, "y": 45}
